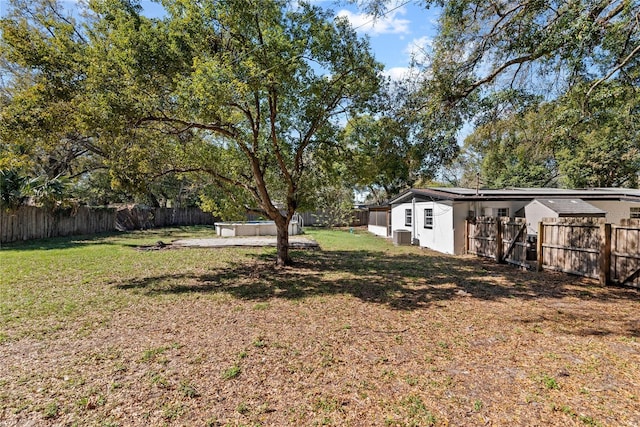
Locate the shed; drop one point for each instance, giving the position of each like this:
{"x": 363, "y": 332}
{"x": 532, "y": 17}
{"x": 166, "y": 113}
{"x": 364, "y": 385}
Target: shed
{"x": 558, "y": 208}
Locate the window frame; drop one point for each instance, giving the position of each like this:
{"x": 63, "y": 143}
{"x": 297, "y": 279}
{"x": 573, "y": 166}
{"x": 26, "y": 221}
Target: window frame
{"x": 408, "y": 217}
{"x": 634, "y": 212}
{"x": 506, "y": 210}
{"x": 428, "y": 219}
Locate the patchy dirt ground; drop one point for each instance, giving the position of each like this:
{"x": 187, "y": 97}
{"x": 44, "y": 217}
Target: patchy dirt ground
{"x": 345, "y": 338}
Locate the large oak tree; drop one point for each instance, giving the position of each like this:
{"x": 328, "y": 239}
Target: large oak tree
{"x": 241, "y": 92}
{"x": 576, "y": 64}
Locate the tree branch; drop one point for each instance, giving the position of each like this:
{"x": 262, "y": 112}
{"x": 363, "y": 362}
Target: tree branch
{"x": 216, "y": 175}
{"x": 59, "y": 15}
{"x": 613, "y": 71}
{"x": 188, "y": 125}
{"x": 520, "y": 60}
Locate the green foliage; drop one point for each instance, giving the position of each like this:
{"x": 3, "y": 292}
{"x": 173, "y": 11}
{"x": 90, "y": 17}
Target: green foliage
{"x": 560, "y": 144}
{"x": 187, "y": 389}
{"x": 12, "y": 189}
{"x": 599, "y": 147}
{"x": 152, "y": 353}
{"x": 225, "y": 202}
{"x": 417, "y": 412}
{"x": 402, "y": 144}
{"x": 520, "y": 44}
{"x": 16, "y": 188}
{"x": 382, "y": 157}
{"x": 41, "y": 61}
{"x": 243, "y": 408}
{"x": 549, "y": 382}
{"x": 51, "y": 410}
{"x": 49, "y": 193}
{"x": 550, "y": 85}
{"x": 335, "y": 204}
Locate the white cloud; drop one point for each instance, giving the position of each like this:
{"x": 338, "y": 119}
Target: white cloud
{"x": 388, "y": 24}
{"x": 419, "y": 49}
{"x": 410, "y": 75}
{"x": 396, "y": 73}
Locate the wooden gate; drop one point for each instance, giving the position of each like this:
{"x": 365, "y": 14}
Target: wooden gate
{"x": 504, "y": 239}
{"x": 482, "y": 235}
{"x": 513, "y": 233}
{"x": 575, "y": 246}
{"x": 625, "y": 253}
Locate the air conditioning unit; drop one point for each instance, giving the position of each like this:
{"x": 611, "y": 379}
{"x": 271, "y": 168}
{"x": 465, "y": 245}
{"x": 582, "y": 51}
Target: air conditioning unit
{"x": 402, "y": 237}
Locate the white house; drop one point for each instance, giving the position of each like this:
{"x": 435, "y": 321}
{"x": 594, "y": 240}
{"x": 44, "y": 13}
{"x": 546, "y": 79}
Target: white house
{"x": 436, "y": 216}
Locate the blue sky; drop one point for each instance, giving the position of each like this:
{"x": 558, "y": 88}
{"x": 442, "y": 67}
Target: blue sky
{"x": 407, "y": 29}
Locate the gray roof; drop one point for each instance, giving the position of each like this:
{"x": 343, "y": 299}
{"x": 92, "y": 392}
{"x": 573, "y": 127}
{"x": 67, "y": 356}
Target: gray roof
{"x": 471, "y": 194}
{"x": 571, "y": 207}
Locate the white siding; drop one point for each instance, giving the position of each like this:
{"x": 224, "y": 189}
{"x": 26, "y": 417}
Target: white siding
{"x": 378, "y": 230}
{"x": 448, "y": 233}
{"x": 535, "y": 211}
{"x": 616, "y": 210}
{"x": 491, "y": 208}
{"x": 441, "y": 236}
{"x": 397, "y": 217}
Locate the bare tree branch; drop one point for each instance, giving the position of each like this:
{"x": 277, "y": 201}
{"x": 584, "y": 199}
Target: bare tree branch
{"x": 613, "y": 71}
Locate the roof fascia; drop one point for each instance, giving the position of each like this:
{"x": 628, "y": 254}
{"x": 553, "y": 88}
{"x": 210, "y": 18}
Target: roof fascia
{"x": 429, "y": 194}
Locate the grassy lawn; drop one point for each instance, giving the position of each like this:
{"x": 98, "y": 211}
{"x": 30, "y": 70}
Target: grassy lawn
{"x": 99, "y": 331}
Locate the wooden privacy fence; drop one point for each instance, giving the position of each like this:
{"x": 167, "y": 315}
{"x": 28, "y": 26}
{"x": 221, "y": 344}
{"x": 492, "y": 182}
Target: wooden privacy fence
{"x": 482, "y": 236}
{"x": 30, "y": 222}
{"x": 140, "y": 218}
{"x": 574, "y": 246}
{"x": 582, "y": 246}
{"x": 504, "y": 239}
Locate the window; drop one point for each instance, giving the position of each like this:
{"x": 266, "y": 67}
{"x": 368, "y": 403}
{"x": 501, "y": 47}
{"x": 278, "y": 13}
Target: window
{"x": 407, "y": 217}
{"x": 378, "y": 218}
{"x": 635, "y": 213}
{"x": 428, "y": 218}
{"x": 503, "y": 212}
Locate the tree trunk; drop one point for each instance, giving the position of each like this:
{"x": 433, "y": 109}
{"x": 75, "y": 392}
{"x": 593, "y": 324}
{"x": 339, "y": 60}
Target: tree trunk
{"x": 283, "y": 242}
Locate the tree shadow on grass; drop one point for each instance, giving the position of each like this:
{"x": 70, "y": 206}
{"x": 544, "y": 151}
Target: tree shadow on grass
{"x": 419, "y": 281}
{"x": 131, "y": 238}
{"x": 60, "y": 242}
{"x": 404, "y": 282}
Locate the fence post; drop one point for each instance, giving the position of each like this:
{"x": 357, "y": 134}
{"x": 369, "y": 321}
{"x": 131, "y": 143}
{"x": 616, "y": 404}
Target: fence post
{"x": 539, "y": 247}
{"x": 605, "y": 254}
{"x": 498, "y": 240}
